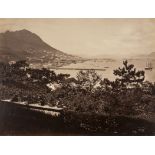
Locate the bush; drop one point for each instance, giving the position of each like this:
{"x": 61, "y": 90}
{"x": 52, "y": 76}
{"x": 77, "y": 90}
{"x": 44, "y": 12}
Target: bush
{"x": 127, "y": 95}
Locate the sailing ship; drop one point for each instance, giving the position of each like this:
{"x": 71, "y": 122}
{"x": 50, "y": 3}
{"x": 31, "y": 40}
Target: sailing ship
{"x": 148, "y": 66}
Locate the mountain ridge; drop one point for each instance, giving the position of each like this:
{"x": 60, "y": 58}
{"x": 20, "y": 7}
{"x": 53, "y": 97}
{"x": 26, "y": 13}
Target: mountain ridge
{"x": 152, "y": 54}
{"x": 24, "y": 44}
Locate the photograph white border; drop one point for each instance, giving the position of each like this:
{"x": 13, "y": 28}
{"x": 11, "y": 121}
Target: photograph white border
{"x": 77, "y": 9}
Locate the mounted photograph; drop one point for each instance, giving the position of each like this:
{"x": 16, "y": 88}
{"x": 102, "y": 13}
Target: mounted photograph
{"x": 77, "y": 77}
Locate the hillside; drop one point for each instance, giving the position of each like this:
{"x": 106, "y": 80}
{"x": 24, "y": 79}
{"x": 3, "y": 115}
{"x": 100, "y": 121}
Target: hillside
{"x": 23, "y": 44}
{"x": 152, "y": 55}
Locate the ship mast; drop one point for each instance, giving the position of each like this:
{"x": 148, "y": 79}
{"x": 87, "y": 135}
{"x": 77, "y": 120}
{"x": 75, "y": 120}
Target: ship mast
{"x": 148, "y": 65}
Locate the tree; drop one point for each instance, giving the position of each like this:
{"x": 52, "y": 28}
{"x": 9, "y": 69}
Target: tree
{"x": 124, "y": 92}
{"x": 15, "y": 73}
{"x": 62, "y": 77}
{"x": 42, "y": 76}
{"x": 128, "y": 76}
{"x": 22, "y": 65}
{"x": 88, "y": 79}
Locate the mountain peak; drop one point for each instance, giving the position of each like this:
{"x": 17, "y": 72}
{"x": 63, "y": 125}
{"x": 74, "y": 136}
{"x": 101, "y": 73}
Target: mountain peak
{"x": 25, "y": 30}
{"x": 18, "y": 31}
{"x": 23, "y": 44}
{"x": 22, "y": 40}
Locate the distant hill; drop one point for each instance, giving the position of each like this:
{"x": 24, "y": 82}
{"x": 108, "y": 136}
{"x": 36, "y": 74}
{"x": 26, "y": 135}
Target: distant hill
{"x": 152, "y": 54}
{"x": 145, "y": 56}
{"x": 25, "y": 45}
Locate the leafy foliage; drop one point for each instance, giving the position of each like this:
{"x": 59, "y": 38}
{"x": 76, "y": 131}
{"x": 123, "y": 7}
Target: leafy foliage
{"x": 88, "y": 79}
{"x": 128, "y": 76}
{"x": 128, "y": 94}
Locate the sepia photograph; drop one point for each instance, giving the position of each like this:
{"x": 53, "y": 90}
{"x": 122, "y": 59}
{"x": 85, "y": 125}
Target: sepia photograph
{"x": 77, "y": 76}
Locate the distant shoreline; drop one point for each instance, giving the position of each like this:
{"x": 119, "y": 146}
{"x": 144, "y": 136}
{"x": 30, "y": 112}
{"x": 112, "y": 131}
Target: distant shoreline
{"x": 78, "y": 69}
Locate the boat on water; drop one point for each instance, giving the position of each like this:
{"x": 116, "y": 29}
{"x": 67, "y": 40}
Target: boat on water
{"x": 148, "y": 66}
{"x": 106, "y": 67}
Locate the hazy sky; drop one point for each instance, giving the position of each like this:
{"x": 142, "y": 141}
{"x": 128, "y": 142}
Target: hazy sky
{"x": 91, "y": 37}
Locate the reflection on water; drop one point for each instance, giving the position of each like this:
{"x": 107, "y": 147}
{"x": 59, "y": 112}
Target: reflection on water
{"x": 109, "y": 66}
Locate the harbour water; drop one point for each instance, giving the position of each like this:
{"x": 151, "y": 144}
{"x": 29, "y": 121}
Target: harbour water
{"x": 105, "y": 68}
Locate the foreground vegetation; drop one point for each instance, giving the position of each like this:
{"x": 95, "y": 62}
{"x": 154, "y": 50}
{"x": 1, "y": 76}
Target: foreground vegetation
{"x": 96, "y": 105}
{"x": 18, "y": 120}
